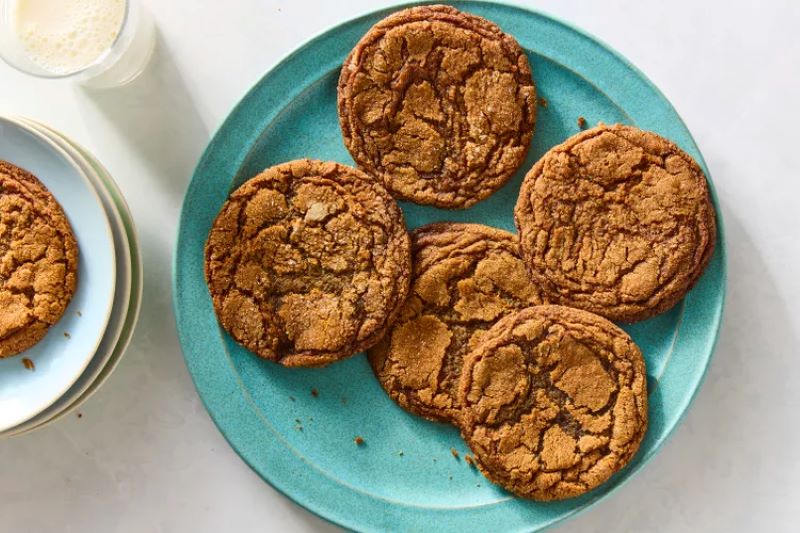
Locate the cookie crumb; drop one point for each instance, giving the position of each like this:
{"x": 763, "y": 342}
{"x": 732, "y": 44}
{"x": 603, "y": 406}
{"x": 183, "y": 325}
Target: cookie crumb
{"x": 454, "y": 452}
{"x": 581, "y": 122}
{"x": 67, "y": 335}
{"x": 28, "y": 364}
{"x": 80, "y": 415}
{"x": 314, "y": 393}
{"x": 359, "y": 441}
{"x": 469, "y": 460}
{"x": 400, "y": 453}
{"x": 450, "y": 477}
{"x": 542, "y": 101}
{"x": 79, "y": 313}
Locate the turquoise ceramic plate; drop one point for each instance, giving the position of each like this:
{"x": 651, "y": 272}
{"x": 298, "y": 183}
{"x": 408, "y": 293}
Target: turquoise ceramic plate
{"x": 302, "y": 444}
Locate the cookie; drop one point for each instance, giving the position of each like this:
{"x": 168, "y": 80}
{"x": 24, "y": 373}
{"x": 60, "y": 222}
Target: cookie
{"x": 616, "y": 221}
{"x": 38, "y": 260}
{"x": 308, "y": 263}
{"x": 554, "y": 402}
{"x": 438, "y": 104}
{"x": 466, "y": 276}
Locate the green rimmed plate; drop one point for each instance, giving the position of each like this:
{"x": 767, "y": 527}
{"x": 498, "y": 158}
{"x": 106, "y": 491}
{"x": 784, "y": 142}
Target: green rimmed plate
{"x": 404, "y": 478}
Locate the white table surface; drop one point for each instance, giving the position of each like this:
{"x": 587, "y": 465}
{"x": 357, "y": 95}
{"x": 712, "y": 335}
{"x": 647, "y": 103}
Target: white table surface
{"x": 145, "y": 456}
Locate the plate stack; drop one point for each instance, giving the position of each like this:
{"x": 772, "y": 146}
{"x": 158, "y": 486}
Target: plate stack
{"x": 79, "y": 352}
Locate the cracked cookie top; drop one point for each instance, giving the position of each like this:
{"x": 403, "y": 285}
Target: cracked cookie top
{"x": 438, "y": 104}
{"x": 554, "y": 402}
{"x": 466, "y": 277}
{"x": 38, "y": 260}
{"x": 308, "y": 262}
{"x": 616, "y": 221}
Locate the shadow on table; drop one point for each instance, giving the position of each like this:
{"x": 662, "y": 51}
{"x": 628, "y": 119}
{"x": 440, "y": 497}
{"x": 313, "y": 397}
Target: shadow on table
{"x": 732, "y": 426}
{"x": 157, "y": 121}
{"x": 157, "y": 116}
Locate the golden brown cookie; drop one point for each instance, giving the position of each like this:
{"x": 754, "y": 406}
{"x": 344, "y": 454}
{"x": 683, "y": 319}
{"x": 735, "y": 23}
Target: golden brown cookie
{"x": 308, "y": 263}
{"x": 616, "y": 221}
{"x": 38, "y": 260}
{"x": 438, "y": 104}
{"x": 466, "y": 276}
{"x": 554, "y": 402}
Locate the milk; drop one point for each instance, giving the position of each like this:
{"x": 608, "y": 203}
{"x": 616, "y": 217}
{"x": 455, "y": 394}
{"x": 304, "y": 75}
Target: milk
{"x": 65, "y": 36}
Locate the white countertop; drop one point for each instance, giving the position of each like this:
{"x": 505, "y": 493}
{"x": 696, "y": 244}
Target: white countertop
{"x": 145, "y": 456}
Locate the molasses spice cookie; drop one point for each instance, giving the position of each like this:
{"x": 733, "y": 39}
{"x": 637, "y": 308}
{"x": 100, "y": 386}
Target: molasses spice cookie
{"x": 438, "y": 104}
{"x": 466, "y": 276}
{"x": 554, "y": 402}
{"x": 616, "y": 221}
{"x": 38, "y": 260}
{"x": 308, "y": 263}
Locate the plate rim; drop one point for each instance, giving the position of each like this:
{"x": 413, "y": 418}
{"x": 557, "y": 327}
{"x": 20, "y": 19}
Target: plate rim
{"x": 106, "y": 229}
{"x": 137, "y": 279}
{"x": 720, "y": 251}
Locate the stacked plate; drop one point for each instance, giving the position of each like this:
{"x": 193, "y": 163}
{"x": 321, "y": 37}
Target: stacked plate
{"x": 58, "y": 374}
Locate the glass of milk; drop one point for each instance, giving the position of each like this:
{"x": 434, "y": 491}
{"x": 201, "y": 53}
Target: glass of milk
{"x": 98, "y": 43}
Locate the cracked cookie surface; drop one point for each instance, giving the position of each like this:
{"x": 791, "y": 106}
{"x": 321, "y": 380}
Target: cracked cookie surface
{"x": 308, "y": 262}
{"x": 554, "y": 402}
{"x": 38, "y": 260}
{"x": 438, "y": 104}
{"x": 617, "y": 221}
{"x": 466, "y": 277}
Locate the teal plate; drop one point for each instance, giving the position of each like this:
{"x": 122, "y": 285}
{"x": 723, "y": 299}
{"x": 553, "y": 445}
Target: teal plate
{"x": 404, "y": 478}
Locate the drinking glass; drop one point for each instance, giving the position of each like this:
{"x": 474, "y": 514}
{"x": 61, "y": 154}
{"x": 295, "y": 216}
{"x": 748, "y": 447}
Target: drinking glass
{"x": 119, "y": 64}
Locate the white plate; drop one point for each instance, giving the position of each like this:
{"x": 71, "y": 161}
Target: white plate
{"x": 59, "y": 361}
{"x": 122, "y": 295}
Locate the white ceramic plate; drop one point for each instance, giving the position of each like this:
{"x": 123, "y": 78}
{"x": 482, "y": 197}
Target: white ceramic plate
{"x": 136, "y": 284}
{"x": 59, "y": 361}
{"x": 122, "y": 294}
